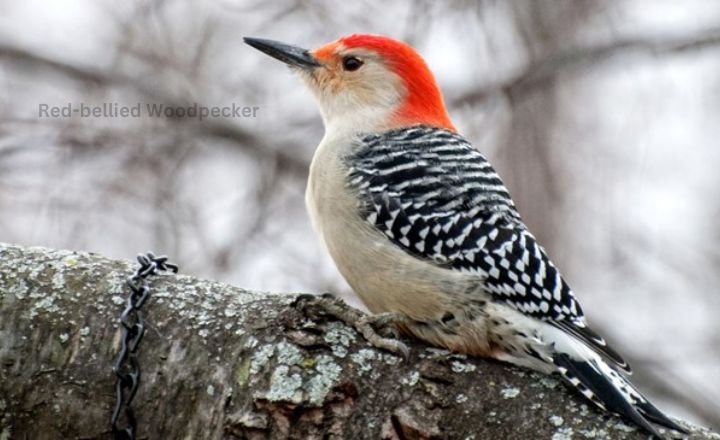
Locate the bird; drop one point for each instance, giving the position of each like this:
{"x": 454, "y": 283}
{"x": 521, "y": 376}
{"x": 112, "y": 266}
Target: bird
{"x": 425, "y": 232}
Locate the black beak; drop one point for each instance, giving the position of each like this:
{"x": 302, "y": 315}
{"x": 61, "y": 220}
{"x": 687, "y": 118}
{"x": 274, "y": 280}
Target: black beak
{"x": 290, "y": 55}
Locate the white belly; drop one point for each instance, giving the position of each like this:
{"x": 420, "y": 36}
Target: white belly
{"x": 384, "y": 276}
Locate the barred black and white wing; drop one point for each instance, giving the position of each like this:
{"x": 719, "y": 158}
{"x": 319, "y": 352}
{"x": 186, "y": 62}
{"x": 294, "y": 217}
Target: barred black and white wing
{"x": 431, "y": 193}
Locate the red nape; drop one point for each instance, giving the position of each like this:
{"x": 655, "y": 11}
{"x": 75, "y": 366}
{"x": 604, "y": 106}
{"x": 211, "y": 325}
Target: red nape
{"x": 423, "y": 103}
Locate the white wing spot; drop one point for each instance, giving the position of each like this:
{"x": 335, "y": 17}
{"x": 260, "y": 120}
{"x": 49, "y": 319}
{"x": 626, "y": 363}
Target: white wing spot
{"x": 481, "y": 242}
{"x": 557, "y": 294}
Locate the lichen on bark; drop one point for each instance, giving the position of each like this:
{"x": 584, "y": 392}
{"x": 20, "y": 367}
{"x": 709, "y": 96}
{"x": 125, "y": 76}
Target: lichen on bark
{"x": 220, "y": 362}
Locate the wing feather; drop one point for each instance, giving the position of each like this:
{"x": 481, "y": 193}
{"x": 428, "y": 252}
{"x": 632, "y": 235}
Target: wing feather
{"x": 432, "y": 194}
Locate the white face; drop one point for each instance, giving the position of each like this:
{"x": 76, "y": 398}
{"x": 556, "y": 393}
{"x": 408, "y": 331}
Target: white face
{"x": 356, "y": 91}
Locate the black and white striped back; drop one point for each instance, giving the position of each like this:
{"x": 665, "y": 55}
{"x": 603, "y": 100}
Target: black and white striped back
{"x": 435, "y": 196}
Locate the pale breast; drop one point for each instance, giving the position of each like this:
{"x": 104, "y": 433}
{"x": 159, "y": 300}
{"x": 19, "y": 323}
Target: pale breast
{"x": 384, "y": 276}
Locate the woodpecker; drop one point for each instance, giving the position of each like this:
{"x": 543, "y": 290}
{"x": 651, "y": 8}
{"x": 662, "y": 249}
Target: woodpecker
{"x": 422, "y": 227}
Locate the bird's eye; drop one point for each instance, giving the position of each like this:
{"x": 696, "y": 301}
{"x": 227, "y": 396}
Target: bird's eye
{"x": 351, "y": 64}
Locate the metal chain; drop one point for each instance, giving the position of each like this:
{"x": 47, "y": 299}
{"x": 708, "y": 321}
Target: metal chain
{"x": 126, "y": 367}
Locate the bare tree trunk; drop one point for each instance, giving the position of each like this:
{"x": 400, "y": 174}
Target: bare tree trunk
{"x": 219, "y": 362}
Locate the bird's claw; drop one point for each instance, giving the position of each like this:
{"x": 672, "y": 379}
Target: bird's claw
{"x": 386, "y": 335}
{"x": 367, "y": 324}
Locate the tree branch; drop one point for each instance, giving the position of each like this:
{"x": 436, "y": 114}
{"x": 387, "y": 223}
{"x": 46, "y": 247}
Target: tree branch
{"x": 223, "y": 362}
{"x": 540, "y": 72}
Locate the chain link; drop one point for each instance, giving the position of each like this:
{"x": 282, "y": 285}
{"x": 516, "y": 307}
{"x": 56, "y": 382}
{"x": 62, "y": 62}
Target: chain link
{"x": 126, "y": 366}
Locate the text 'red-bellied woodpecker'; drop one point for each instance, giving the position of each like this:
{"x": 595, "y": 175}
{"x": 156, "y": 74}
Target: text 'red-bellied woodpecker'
{"x": 420, "y": 225}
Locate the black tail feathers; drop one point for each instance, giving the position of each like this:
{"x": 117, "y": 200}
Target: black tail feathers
{"x": 605, "y": 387}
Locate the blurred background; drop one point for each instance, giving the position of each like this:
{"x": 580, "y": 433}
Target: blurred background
{"x": 603, "y": 118}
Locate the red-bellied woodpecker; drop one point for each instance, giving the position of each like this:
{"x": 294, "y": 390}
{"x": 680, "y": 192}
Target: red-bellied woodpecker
{"x": 421, "y": 226}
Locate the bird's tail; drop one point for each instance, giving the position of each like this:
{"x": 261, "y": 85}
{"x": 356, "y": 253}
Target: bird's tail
{"x": 605, "y": 387}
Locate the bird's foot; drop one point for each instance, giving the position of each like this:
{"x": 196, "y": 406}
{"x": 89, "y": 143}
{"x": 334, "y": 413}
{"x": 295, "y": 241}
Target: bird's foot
{"x": 379, "y": 330}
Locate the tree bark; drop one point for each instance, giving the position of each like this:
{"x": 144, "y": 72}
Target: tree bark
{"x": 220, "y": 362}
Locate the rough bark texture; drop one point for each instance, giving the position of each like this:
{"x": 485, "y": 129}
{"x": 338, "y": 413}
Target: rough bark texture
{"x": 220, "y": 362}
